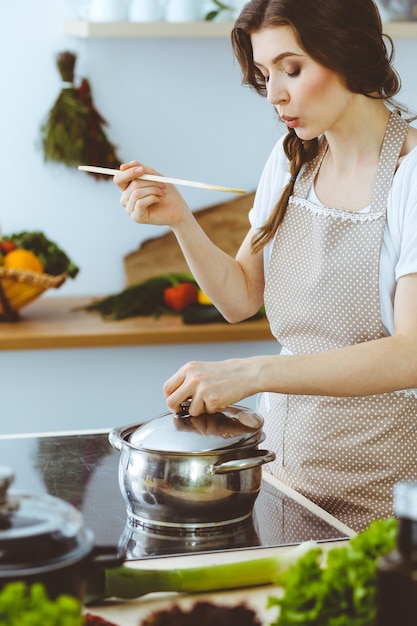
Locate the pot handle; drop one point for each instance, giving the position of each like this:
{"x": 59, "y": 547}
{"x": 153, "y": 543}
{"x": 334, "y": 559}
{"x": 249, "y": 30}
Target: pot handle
{"x": 102, "y": 558}
{"x": 94, "y": 572}
{"x": 261, "y": 457}
{"x": 107, "y": 556}
{"x": 115, "y": 440}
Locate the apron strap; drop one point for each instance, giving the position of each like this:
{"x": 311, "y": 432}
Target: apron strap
{"x": 395, "y": 134}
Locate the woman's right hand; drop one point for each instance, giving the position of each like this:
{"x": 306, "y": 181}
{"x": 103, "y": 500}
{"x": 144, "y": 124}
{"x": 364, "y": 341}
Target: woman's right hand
{"x": 149, "y": 202}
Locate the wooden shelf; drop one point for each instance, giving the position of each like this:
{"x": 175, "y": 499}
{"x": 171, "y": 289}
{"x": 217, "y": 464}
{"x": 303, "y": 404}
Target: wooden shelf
{"x": 401, "y": 30}
{"x": 63, "y": 323}
{"x": 200, "y": 29}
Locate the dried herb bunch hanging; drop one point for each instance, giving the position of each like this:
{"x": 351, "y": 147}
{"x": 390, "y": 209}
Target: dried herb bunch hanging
{"x": 73, "y": 132}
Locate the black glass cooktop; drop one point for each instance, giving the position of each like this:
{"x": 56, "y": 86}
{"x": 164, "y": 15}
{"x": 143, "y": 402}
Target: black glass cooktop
{"x": 83, "y": 470}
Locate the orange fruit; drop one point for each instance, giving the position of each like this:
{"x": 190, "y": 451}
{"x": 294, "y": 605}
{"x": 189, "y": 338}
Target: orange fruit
{"x": 21, "y": 259}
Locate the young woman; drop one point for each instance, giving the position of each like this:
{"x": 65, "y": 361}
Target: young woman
{"x": 332, "y": 252}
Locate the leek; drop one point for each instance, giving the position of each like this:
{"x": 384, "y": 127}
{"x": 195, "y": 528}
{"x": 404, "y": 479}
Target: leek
{"x": 130, "y": 582}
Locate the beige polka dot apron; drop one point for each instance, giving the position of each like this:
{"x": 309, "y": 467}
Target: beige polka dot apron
{"x": 322, "y": 293}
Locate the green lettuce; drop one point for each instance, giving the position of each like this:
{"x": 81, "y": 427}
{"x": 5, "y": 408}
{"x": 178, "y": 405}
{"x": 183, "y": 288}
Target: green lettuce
{"x": 337, "y": 587}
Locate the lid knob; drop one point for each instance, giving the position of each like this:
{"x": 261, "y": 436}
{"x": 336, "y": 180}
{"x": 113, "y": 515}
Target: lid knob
{"x": 184, "y": 408}
{"x": 8, "y": 503}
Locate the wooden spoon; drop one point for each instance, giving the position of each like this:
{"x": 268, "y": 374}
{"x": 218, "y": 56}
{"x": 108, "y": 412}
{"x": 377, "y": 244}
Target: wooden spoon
{"x": 161, "y": 179}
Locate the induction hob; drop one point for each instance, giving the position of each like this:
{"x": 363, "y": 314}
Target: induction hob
{"x": 82, "y": 469}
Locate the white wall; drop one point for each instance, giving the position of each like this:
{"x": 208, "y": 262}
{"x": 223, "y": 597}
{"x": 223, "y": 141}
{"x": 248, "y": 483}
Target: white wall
{"x": 55, "y": 390}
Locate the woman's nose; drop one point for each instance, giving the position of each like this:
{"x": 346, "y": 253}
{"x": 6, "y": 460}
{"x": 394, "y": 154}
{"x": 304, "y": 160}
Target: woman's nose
{"x": 276, "y": 93}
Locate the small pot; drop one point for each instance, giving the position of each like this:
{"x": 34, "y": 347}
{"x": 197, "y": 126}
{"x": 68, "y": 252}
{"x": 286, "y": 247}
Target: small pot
{"x": 184, "y": 472}
{"x": 44, "y": 539}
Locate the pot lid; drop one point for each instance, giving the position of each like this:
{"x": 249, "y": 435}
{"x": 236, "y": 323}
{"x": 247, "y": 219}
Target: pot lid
{"x": 208, "y": 432}
{"x": 35, "y": 528}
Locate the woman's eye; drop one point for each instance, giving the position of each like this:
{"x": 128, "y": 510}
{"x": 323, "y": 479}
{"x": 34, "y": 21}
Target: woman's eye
{"x": 293, "y": 72}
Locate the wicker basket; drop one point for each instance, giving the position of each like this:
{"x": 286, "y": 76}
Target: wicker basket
{"x": 20, "y": 287}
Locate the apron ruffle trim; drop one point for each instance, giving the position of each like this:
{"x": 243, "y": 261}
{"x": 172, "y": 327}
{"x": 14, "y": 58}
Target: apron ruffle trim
{"x": 338, "y": 214}
{"x": 407, "y": 392}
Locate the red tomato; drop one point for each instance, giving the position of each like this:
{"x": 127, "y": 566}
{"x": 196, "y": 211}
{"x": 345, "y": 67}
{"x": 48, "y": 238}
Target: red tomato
{"x": 178, "y": 297}
{"x": 7, "y": 246}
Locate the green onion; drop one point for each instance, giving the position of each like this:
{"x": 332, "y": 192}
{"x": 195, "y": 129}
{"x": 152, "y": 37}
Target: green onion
{"x": 130, "y": 582}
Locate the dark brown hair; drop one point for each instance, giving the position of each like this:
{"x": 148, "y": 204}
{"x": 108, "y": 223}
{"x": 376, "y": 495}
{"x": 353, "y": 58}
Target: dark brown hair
{"x": 344, "y": 36}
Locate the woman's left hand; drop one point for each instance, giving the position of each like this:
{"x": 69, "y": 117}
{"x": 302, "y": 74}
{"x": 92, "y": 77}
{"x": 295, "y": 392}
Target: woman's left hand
{"x": 211, "y": 385}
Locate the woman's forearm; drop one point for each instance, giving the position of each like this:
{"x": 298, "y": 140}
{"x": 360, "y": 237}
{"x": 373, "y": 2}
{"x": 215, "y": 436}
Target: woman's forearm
{"x": 219, "y": 275}
{"x": 369, "y": 368}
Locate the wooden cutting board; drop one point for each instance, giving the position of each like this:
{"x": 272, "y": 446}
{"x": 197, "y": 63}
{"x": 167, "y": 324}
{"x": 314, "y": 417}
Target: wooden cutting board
{"x": 131, "y": 613}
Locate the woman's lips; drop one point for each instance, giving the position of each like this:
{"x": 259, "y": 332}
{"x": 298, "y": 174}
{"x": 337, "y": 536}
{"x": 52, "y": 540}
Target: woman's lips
{"x": 291, "y": 122}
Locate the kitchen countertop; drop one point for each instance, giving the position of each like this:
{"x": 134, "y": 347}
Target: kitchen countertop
{"x": 61, "y": 322}
{"x": 131, "y": 612}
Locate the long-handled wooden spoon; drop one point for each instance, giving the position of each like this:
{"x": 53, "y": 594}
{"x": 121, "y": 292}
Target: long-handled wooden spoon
{"x": 161, "y": 179}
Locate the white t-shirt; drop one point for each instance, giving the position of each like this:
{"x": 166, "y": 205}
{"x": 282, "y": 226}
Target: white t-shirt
{"x": 399, "y": 246}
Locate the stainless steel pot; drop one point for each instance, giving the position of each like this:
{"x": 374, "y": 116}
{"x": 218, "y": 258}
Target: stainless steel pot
{"x": 44, "y": 539}
{"x": 184, "y": 472}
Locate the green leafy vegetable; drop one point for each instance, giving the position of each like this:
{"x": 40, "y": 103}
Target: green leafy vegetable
{"x": 54, "y": 260}
{"x": 21, "y": 605}
{"x": 337, "y": 588}
{"x": 145, "y": 298}
{"x": 148, "y": 299}
{"x": 132, "y": 582}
